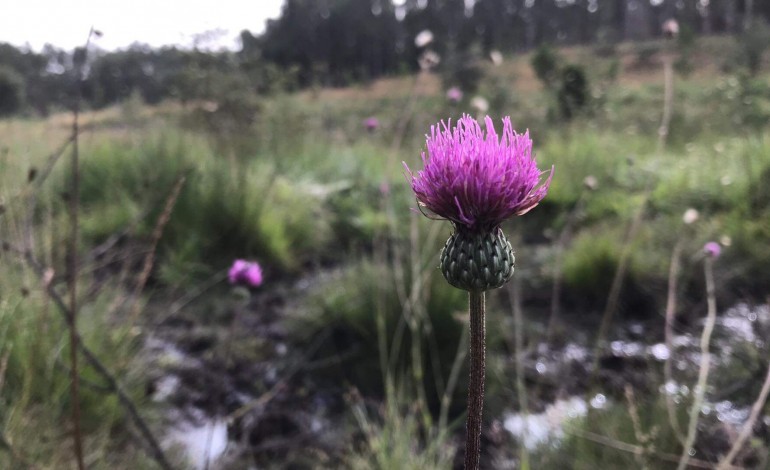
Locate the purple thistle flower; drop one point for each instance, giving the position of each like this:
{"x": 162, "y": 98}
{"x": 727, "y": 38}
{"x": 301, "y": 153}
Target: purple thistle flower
{"x": 477, "y": 181}
{"x": 712, "y": 250}
{"x": 371, "y": 123}
{"x": 244, "y": 272}
{"x": 454, "y": 95}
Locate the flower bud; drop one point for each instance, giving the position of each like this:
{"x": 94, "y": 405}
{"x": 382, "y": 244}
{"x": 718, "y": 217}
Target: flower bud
{"x": 690, "y": 216}
{"x": 477, "y": 261}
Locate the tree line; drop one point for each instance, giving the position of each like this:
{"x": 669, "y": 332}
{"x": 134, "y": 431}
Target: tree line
{"x": 338, "y": 42}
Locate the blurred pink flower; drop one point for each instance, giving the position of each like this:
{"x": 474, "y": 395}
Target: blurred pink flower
{"x": 454, "y": 94}
{"x": 712, "y": 250}
{"x": 371, "y": 123}
{"x": 244, "y": 272}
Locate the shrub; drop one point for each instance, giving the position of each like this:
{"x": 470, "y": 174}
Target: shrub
{"x": 546, "y": 64}
{"x": 568, "y": 83}
{"x": 463, "y": 69}
{"x": 11, "y": 91}
{"x": 227, "y": 208}
{"x": 753, "y": 43}
{"x": 685, "y": 44}
{"x": 574, "y": 93}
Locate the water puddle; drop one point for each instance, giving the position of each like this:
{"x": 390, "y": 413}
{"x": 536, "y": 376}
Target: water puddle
{"x": 537, "y": 429}
{"x": 203, "y": 444}
{"x": 741, "y": 324}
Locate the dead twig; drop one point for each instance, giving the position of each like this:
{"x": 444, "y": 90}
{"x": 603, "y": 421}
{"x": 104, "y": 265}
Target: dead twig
{"x": 669, "y": 335}
{"x": 748, "y": 426}
{"x": 3, "y": 368}
{"x": 636, "y": 449}
{"x": 110, "y": 381}
{"x": 157, "y": 233}
{"x": 72, "y": 274}
{"x": 617, "y": 280}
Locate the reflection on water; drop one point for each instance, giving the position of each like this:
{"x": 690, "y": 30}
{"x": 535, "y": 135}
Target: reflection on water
{"x": 534, "y": 430}
{"x": 738, "y": 327}
{"x": 200, "y": 442}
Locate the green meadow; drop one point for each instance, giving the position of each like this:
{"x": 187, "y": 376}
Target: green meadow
{"x": 354, "y": 329}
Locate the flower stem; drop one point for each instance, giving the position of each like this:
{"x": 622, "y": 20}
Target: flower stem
{"x": 703, "y": 373}
{"x": 476, "y": 385}
{"x": 669, "y": 335}
{"x": 72, "y": 284}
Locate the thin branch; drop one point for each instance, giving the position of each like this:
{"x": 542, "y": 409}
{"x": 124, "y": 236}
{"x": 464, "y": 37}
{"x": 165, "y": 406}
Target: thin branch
{"x": 157, "y": 233}
{"x": 558, "y": 275}
{"x": 3, "y": 368}
{"x": 111, "y": 382}
{"x": 199, "y": 290}
{"x": 748, "y": 426}
{"x": 673, "y": 274}
{"x": 104, "y": 247}
{"x": 53, "y": 158}
{"x": 635, "y": 449}
{"x": 641, "y": 437}
{"x": 72, "y": 274}
{"x": 668, "y": 100}
{"x": 617, "y": 280}
{"x": 454, "y": 375}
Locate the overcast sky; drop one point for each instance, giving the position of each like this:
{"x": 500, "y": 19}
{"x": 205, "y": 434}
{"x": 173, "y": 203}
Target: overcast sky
{"x": 65, "y": 23}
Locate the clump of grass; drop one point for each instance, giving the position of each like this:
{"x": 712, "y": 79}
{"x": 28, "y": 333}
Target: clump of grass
{"x": 348, "y": 303}
{"x": 228, "y": 208}
{"x": 34, "y": 398}
{"x": 589, "y": 266}
{"x": 394, "y": 439}
{"x": 614, "y": 437}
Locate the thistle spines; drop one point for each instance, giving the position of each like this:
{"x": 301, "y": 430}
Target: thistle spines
{"x": 477, "y": 261}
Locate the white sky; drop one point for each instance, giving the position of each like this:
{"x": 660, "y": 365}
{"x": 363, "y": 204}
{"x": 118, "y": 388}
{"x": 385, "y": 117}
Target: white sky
{"x": 65, "y": 23}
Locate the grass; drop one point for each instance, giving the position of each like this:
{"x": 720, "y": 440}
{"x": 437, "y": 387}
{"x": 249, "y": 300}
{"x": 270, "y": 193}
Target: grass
{"x": 34, "y": 399}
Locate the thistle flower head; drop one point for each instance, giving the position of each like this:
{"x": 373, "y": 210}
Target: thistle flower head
{"x": 454, "y": 95}
{"x": 247, "y": 273}
{"x": 712, "y": 250}
{"x": 371, "y": 123}
{"x": 478, "y": 180}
